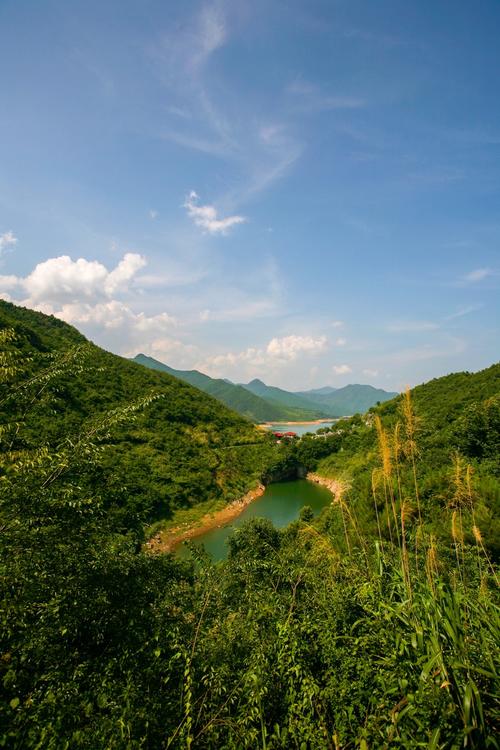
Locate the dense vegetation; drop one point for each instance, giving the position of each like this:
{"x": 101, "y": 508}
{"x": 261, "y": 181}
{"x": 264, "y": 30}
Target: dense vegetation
{"x": 375, "y": 627}
{"x": 184, "y": 449}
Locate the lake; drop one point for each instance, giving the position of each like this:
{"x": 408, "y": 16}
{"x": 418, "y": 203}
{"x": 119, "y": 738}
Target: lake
{"x": 281, "y": 503}
{"x": 299, "y": 429}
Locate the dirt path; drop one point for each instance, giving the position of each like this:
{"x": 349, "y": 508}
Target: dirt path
{"x": 167, "y": 541}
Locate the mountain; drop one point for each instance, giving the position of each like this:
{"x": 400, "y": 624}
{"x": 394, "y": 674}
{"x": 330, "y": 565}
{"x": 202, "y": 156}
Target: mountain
{"x": 234, "y": 396}
{"x": 318, "y": 391}
{"x": 351, "y": 399}
{"x": 305, "y": 407}
{"x": 183, "y": 448}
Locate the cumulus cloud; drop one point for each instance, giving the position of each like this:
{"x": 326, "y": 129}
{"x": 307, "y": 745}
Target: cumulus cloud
{"x": 341, "y": 369}
{"x": 115, "y": 314}
{"x": 337, "y": 323}
{"x": 370, "y": 373}
{"x": 206, "y": 216}
{"x": 61, "y": 280}
{"x": 341, "y": 342}
{"x": 289, "y": 347}
{"x": 7, "y": 239}
{"x": 83, "y": 293}
{"x": 277, "y": 353}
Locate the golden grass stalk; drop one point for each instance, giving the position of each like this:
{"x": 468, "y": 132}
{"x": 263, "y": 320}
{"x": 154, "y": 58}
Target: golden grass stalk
{"x": 375, "y": 475}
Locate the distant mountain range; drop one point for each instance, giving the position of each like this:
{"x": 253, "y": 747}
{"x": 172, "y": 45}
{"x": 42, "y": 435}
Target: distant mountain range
{"x": 263, "y": 403}
{"x": 348, "y": 400}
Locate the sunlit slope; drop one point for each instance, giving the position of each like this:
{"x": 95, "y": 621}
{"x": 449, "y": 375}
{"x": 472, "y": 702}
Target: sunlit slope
{"x": 182, "y": 449}
{"x": 456, "y": 443}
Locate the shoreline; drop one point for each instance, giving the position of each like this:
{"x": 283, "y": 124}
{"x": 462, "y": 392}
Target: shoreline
{"x": 335, "y": 486}
{"x": 170, "y": 539}
{"x": 308, "y": 421}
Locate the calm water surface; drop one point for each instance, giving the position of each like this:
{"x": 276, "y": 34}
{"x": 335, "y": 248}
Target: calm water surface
{"x": 300, "y": 429}
{"x": 281, "y": 503}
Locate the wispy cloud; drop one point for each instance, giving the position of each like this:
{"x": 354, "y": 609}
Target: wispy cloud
{"x": 412, "y": 326}
{"x": 7, "y": 240}
{"x": 463, "y": 311}
{"x": 206, "y": 216}
{"x": 478, "y": 274}
{"x": 311, "y": 98}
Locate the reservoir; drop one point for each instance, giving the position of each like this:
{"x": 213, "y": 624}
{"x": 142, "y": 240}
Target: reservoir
{"x": 301, "y": 428}
{"x": 281, "y": 503}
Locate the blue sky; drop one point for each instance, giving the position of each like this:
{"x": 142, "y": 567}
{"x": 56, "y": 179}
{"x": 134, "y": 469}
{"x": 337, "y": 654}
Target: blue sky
{"x": 302, "y": 192}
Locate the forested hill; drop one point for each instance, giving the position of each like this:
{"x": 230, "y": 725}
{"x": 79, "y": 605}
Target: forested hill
{"x": 370, "y": 626}
{"x": 457, "y": 422}
{"x": 183, "y": 448}
{"x": 234, "y": 396}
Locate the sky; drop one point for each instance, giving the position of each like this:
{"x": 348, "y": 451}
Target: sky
{"x": 304, "y": 192}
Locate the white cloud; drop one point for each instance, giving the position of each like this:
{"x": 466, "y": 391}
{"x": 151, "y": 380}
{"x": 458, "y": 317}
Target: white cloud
{"x": 278, "y": 353}
{"x": 8, "y": 282}
{"x": 206, "y": 216}
{"x": 341, "y": 369}
{"x": 340, "y": 342}
{"x": 337, "y": 323}
{"x": 7, "y": 239}
{"x": 153, "y": 214}
{"x": 62, "y": 280}
{"x": 115, "y": 314}
{"x": 211, "y": 33}
{"x": 477, "y": 275}
{"x": 289, "y": 347}
{"x": 370, "y": 373}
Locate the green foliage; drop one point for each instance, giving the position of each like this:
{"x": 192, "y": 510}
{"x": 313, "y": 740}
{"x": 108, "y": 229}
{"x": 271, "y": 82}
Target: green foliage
{"x": 187, "y": 448}
{"x": 318, "y": 636}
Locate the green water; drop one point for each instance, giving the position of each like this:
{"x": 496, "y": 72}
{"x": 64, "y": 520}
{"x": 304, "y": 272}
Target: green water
{"x": 281, "y": 503}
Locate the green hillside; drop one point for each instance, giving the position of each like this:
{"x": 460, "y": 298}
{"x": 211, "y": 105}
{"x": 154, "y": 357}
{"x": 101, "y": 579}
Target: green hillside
{"x": 351, "y": 399}
{"x": 370, "y": 627}
{"x": 458, "y": 414}
{"x": 303, "y": 408}
{"x": 183, "y": 449}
